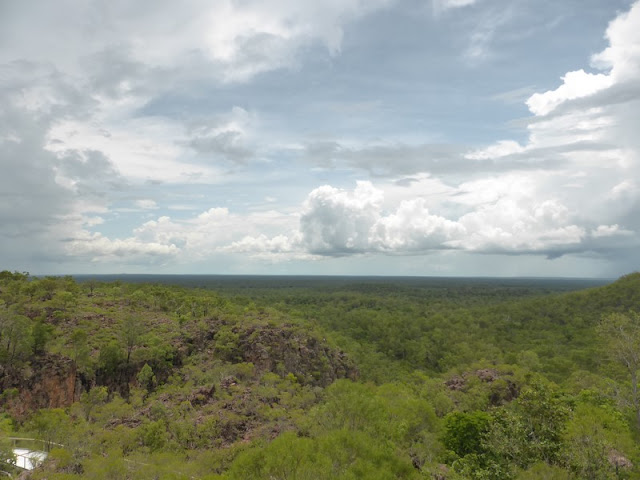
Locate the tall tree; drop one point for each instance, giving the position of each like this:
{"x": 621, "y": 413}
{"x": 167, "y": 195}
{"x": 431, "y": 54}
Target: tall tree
{"x": 15, "y": 335}
{"x": 130, "y": 333}
{"x": 622, "y": 334}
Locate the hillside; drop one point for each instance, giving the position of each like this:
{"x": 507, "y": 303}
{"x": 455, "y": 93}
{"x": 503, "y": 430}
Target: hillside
{"x": 351, "y": 380}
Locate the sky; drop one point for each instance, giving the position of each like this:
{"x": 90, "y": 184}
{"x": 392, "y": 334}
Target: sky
{"x": 334, "y": 137}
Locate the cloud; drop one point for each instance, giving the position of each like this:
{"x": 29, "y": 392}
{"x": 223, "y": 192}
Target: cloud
{"x": 441, "y": 5}
{"x": 497, "y": 150}
{"x": 602, "y": 113}
{"x": 485, "y": 27}
{"x": 412, "y": 228}
{"x": 396, "y": 159}
{"x": 160, "y": 99}
{"x": 98, "y": 248}
{"x": 385, "y": 159}
{"x": 336, "y": 222}
{"x": 225, "y": 137}
{"x": 44, "y": 192}
{"x": 512, "y": 225}
{"x": 88, "y": 173}
{"x": 514, "y": 96}
{"x": 621, "y": 57}
{"x": 620, "y": 61}
{"x": 139, "y": 149}
{"x": 576, "y": 84}
{"x": 609, "y": 231}
{"x": 262, "y": 244}
{"x": 236, "y": 40}
{"x": 195, "y": 238}
{"x": 623, "y": 189}
{"x": 503, "y": 215}
{"x": 281, "y": 248}
{"x": 585, "y": 127}
{"x": 94, "y": 93}
{"x": 146, "y": 204}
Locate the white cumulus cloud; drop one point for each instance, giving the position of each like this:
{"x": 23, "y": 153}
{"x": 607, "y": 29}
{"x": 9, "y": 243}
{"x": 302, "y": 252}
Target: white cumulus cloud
{"x": 576, "y": 84}
{"x": 335, "y": 221}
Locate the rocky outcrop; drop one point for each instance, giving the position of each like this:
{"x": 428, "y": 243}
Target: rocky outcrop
{"x": 48, "y": 381}
{"x": 51, "y": 381}
{"x": 456, "y": 382}
{"x": 283, "y": 349}
{"x": 502, "y": 388}
{"x": 619, "y": 461}
{"x": 286, "y": 349}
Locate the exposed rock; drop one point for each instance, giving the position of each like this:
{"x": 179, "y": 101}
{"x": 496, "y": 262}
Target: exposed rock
{"x": 128, "y": 422}
{"x": 502, "y": 388}
{"x": 487, "y": 374}
{"x": 228, "y": 382}
{"x": 202, "y": 396}
{"x": 456, "y": 383}
{"x": 285, "y": 349}
{"x": 50, "y": 381}
{"x": 618, "y": 461}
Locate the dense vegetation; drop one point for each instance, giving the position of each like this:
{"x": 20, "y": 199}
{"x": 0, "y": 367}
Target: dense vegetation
{"x": 325, "y": 379}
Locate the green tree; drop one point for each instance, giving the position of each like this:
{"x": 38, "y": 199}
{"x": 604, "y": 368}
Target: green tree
{"x": 543, "y": 414}
{"x": 51, "y": 425}
{"x": 464, "y": 432}
{"x": 48, "y": 286}
{"x": 622, "y": 334}
{"x": 146, "y": 378}
{"x": 109, "y": 466}
{"x": 226, "y": 344}
{"x": 64, "y": 301}
{"x": 93, "y": 398}
{"x": 110, "y": 358}
{"x": 79, "y": 348}
{"x": 92, "y": 284}
{"x": 338, "y": 455}
{"x": 154, "y": 435}
{"x": 6, "y": 450}
{"x": 131, "y": 331}
{"x": 528, "y": 430}
{"x": 15, "y": 335}
{"x": 41, "y": 333}
{"x": 352, "y": 406}
{"x": 597, "y": 442}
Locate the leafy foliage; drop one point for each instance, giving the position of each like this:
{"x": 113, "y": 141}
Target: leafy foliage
{"x": 325, "y": 378}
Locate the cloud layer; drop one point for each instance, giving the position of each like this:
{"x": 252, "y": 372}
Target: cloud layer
{"x": 148, "y": 136}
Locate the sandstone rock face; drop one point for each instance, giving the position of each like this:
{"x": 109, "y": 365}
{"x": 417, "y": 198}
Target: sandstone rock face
{"x": 50, "y": 381}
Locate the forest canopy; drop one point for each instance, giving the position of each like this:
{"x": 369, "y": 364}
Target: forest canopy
{"x": 323, "y": 378}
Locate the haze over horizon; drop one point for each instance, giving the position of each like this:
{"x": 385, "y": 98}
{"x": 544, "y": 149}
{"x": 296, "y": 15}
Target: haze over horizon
{"x": 386, "y": 137}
